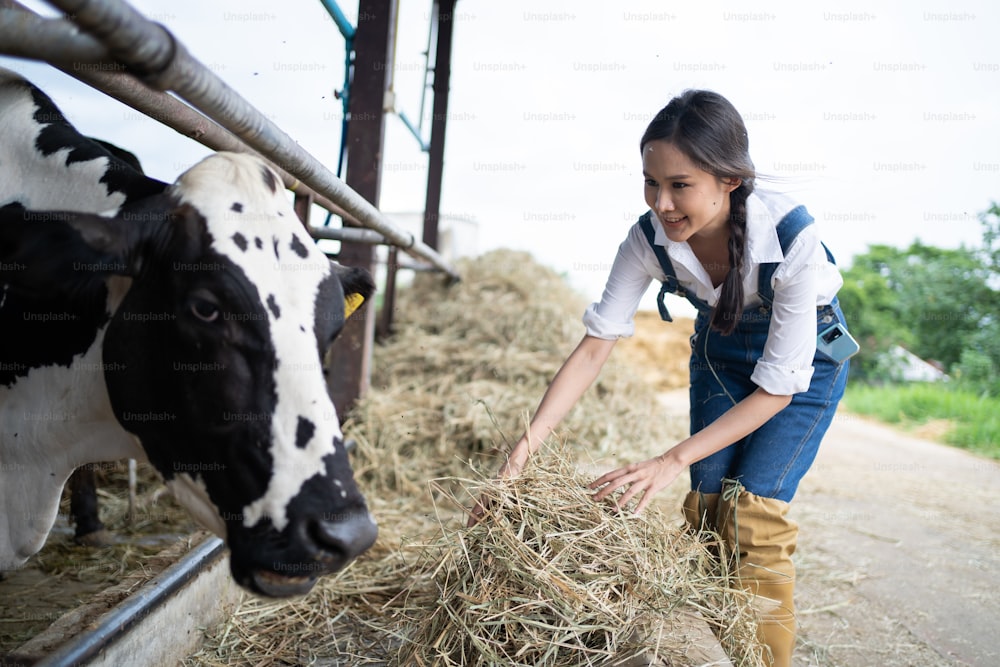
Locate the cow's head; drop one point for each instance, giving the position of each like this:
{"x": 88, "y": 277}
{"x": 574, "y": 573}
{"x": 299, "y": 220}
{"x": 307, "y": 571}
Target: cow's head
{"x": 214, "y": 359}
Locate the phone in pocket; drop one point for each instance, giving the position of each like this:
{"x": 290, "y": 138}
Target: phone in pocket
{"x": 837, "y": 343}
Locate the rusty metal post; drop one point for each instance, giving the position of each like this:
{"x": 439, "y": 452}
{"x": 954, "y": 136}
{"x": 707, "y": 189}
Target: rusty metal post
{"x": 302, "y": 203}
{"x": 439, "y": 118}
{"x": 383, "y": 329}
{"x": 350, "y": 362}
{"x": 445, "y": 17}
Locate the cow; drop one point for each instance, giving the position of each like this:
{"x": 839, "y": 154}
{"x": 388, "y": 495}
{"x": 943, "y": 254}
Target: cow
{"x": 183, "y": 324}
{"x": 84, "y": 511}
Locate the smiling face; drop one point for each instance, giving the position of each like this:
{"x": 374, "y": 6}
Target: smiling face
{"x": 688, "y": 201}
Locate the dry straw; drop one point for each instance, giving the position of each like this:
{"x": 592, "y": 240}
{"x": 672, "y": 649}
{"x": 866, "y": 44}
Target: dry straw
{"x": 63, "y": 574}
{"x": 551, "y": 577}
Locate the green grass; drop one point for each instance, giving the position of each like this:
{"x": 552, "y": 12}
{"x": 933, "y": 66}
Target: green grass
{"x": 975, "y": 420}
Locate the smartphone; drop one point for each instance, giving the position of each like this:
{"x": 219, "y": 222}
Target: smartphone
{"x": 836, "y": 342}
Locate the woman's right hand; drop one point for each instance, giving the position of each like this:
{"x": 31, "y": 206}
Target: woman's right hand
{"x": 576, "y": 374}
{"x": 511, "y": 468}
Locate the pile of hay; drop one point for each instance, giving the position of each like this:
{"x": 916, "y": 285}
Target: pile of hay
{"x": 550, "y": 577}
{"x": 660, "y": 352}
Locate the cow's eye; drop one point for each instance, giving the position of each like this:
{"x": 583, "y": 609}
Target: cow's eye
{"x": 203, "y": 309}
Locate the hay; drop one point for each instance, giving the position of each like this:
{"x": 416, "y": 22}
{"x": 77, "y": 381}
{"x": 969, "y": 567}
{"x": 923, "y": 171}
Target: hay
{"x": 468, "y": 363}
{"x": 660, "y": 352}
{"x": 63, "y": 575}
{"x": 549, "y": 577}
{"x": 451, "y": 391}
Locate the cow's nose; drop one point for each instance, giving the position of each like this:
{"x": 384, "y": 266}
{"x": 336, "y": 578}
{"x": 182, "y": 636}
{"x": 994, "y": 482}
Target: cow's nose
{"x": 344, "y": 538}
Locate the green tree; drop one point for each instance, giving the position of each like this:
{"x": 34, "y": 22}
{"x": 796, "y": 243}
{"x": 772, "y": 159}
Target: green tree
{"x": 941, "y": 304}
{"x": 979, "y": 367}
{"x": 872, "y": 311}
{"x": 990, "y": 220}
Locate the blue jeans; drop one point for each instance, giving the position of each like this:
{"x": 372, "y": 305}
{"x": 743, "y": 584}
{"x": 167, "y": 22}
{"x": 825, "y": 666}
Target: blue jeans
{"x": 772, "y": 460}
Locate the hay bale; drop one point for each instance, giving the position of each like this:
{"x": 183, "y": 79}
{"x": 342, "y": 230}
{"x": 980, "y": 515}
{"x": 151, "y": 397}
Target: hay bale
{"x": 660, "y": 351}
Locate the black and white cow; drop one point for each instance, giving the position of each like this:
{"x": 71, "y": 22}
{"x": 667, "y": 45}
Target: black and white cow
{"x": 188, "y": 326}
{"x": 84, "y": 509}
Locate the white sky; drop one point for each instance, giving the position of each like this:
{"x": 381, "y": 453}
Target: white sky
{"x": 881, "y": 117}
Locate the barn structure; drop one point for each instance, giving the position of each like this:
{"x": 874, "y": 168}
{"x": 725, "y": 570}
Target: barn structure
{"x": 110, "y": 46}
{"x": 138, "y": 62}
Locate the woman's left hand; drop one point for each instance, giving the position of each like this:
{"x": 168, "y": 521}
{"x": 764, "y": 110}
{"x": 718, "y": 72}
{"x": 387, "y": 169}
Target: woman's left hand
{"x": 647, "y": 478}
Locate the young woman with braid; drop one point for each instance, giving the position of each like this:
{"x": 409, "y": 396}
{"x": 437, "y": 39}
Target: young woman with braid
{"x": 762, "y": 395}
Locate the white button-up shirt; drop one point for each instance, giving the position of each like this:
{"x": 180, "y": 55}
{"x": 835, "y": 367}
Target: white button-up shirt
{"x": 804, "y": 280}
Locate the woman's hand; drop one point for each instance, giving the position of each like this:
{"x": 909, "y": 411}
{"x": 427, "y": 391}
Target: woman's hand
{"x": 576, "y": 374}
{"x": 647, "y": 478}
{"x": 511, "y": 468}
{"x": 656, "y": 474}
{"x": 477, "y": 512}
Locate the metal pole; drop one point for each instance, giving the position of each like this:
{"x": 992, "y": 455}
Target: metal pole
{"x": 163, "y": 62}
{"x": 350, "y": 358}
{"x": 383, "y": 329}
{"x": 24, "y": 33}
{"x": 302, "y": 203}
{"x": 345, "y": 27}
{"x": 439, "y": 118}
{"x": 352, "y": 234}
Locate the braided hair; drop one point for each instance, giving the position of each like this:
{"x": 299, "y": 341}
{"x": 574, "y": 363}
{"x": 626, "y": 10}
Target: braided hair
{"x": 707, "y": 128}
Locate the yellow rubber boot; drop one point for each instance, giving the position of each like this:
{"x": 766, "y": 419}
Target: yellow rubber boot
{"x": 758, "y": 533}
{"x": 699, "y": 510}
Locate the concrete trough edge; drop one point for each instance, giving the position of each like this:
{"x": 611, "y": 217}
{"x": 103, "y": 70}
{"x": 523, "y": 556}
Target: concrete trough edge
{"x": 160, "y": 623}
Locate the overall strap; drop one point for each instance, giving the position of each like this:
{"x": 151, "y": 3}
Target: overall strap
{"x": 788, "y": 229}
{"x": 670, "y": 284}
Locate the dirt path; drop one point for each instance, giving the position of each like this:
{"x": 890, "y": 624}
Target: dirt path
{"x": 897, "y": 558}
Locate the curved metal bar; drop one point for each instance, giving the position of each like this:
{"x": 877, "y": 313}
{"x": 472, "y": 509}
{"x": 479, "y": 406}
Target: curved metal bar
{"x": 110, "y": 78}
{"x": 165, "y": 63}
{"x": 23, "y": 33}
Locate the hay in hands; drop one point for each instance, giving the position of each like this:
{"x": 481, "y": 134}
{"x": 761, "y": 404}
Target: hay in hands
{"x": 550, "y": 577}
{"x": 469, "y": 362}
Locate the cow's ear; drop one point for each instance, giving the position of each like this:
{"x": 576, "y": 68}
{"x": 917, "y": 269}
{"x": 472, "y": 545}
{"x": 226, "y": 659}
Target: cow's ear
{"x": 58, "y": 252}
{"x": 358, "y": 286}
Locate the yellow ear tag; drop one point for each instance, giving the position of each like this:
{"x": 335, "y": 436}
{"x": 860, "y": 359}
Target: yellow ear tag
{"x": 351, "y": 303}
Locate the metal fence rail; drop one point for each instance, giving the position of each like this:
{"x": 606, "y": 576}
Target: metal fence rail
{"x": 116, "y": 36}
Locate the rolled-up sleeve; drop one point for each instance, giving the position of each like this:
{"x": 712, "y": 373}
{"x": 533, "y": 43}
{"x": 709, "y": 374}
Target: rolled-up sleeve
{"x": 786, "y": 367}
{"x": 613, "y": 316}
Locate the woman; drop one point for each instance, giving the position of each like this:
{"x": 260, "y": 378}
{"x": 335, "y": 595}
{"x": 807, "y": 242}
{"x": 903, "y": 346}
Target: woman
{"x": 762, "y": 394}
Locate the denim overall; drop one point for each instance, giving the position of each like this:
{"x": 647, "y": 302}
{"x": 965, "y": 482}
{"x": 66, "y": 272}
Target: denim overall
{"x": 772, "y": 460}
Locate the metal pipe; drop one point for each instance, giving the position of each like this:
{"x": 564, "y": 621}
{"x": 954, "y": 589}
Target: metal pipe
{"x": 439, "y": 119}
{"x": 414, "y": 130}
{"x": 350, "y": 234}
{"x": 151, "y": 50}
{"x": 348, "y": 31}
{"x": 122, "y": 618}
{"x": 115, "y": 82}
{"x": 345, "y": 27}
{"x": 24, "y": 34}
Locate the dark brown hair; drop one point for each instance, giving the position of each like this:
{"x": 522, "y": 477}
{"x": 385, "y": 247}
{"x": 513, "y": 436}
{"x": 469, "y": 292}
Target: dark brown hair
{"x": 706, "y": 127}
